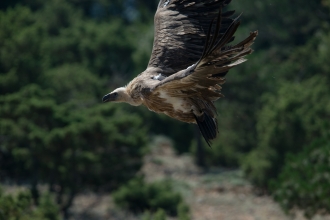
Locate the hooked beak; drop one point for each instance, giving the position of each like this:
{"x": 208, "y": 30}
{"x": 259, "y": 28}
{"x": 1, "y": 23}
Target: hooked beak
{"x": 108, "y": 98}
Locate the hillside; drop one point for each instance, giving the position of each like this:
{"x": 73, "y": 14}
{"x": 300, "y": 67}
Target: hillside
{"x": 214, "y": 194}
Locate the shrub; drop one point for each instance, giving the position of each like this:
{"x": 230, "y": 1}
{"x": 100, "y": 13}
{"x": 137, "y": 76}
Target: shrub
{"x": 304, "y": 181}
{"x": 183, "y": 211}
{"x": 138, "y": 196}
{"x": 20, "y": 207}
{"x": 159, "y": 215}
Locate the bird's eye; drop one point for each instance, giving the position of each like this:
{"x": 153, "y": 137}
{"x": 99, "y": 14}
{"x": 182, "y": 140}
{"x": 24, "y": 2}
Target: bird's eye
{"x": 115, "y": 94}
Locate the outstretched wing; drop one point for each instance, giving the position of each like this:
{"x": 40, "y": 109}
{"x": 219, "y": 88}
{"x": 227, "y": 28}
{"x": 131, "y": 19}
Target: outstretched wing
{"x": 200, "y": 83}
{"x": 180, "y": 32}
{"x": 215, "y": 61}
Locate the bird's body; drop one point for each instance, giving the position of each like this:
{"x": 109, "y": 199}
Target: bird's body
{"x": 174, "y": 104}
{"x": 187, "y": 65}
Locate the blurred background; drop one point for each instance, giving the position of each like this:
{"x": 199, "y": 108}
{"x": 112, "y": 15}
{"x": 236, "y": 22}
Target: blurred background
{"x": 65, "y": 155}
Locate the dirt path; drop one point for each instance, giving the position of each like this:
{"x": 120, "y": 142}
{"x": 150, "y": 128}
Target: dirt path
{"x": 214, "y": 195}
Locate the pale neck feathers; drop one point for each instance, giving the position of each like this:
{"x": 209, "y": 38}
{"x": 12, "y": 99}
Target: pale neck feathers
{"x": 124, "y": 96}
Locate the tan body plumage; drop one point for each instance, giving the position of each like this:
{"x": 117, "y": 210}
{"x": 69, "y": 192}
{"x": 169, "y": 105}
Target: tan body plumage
{"x": 187, "y": 65}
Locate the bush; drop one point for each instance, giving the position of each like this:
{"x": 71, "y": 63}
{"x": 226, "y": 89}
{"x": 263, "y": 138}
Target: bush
{"x": 159, "y": 215}
{"x": 290, "y": 119}
{"x": 20, "y": 207}
{"x": 138, "y": 196}
{"x": 183, "y": 211}
{"x": 304, "y": 181}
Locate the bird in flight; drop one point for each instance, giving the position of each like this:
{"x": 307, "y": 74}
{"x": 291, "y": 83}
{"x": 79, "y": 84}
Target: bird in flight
{"x": 190, "y": 58}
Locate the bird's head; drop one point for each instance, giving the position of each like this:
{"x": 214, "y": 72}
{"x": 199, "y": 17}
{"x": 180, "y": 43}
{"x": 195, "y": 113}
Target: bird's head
{"x": 119, "y": 95}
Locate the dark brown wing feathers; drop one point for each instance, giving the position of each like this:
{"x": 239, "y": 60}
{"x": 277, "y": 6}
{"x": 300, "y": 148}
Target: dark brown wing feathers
{"x": 180, "y": 30}
{"x": 201, "y": 81}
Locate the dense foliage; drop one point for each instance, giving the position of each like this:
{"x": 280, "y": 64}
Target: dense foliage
{"x": 304, "y": 181}
{"x": 290, "y": 119}
{"x": 54, "y": 129}
{"x": 20, "y": 207}
{"x": 138, "y": 196}
{"x": 57, "y": 59}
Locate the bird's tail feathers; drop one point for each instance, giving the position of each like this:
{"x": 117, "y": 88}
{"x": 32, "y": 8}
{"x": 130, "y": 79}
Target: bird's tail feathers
{"x": 208, "y": 126}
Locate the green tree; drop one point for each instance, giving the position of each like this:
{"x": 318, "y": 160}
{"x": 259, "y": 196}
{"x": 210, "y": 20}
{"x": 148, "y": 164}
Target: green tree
{"x": 289, "y": 120}
{"x": 292, "y": 117}
{"x": 67, "y": 148}
{"x": 304, "y": 181}
{"x": 53, "y": 127}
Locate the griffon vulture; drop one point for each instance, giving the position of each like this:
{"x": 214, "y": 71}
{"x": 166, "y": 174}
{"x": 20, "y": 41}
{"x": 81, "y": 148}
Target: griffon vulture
{"x": 190, "y": 57}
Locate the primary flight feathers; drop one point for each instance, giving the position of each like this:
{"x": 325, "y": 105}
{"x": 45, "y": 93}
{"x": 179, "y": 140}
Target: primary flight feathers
{"x": 189, "y": 61}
